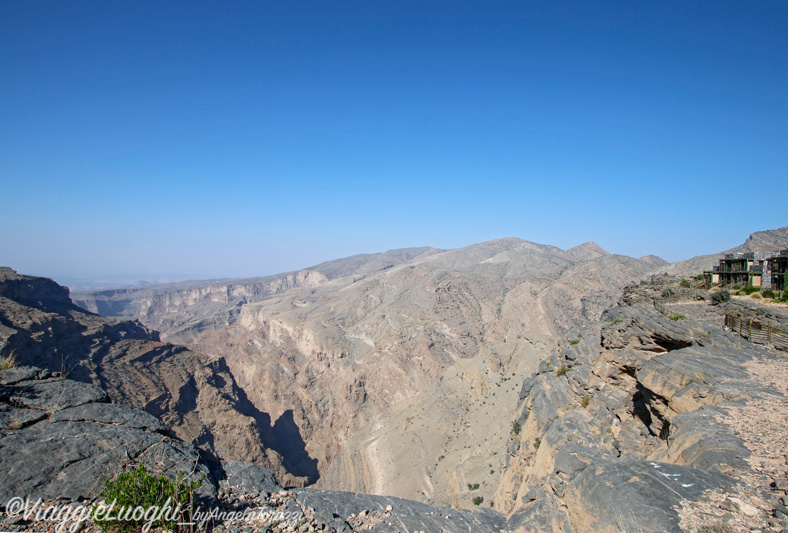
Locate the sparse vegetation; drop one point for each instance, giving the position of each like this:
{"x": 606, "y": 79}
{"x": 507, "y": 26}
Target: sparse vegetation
{"x": 574, "y": 341}
{"x": 767, "y": 293}
{"x": 749, "y": 289}
{"x": 561, "y": 370}
{"x": 756, "y": 295}
{"x": 667, "y": 293}
{"x": 617, "y": 320}
{"x": 699, "y": 277}
{"x": 7, "y": 362}
{"x": 677, "y": 316}
{"x": 717, "y": 527}
{"x": 473, "y": 486}
{"x": 721, "y": 296}
{"x": 516, "y": 428}
{"x": 478, "y": 500}
{"x": 785, "y": 296}
{"x": 685, "y": 283}
{"x": 537, "y": 443}
{"x": 138, "y": 488}
{"x": 585, "y": 401}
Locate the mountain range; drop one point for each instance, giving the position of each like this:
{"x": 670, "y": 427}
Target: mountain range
{"x": 408, "y": 373}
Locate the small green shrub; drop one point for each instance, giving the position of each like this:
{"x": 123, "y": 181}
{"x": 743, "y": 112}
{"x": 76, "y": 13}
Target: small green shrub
{"x": 478, "y": 500}
{"x": 473, "y": 486}
{"x": 677, "y": 316}
{"x": 537, "y": 443}
{"x": 785, "y": 296}
{"x": 617, "y": 320}
{"x": 736, "y": 287}
{"x": 685, "y": 283}
{"x": 516, "y": 428}
{"x": 667, "y": 293}
{"x": 756, "y": 295}
{"x": 561, "y": 370}
{"x": 9, "y": 361}
{"x": 584, "y": 402}
{"x": 699, "y": 277}
{"x": 767, "y": 293}
{"x": 749, "y": 289}
{"x": 721, "y": 296}
{"x": 138, "y": 488}
{"x": 574, "y": 341}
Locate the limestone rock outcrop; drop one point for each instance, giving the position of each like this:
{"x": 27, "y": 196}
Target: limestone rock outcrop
{"x": 195, "y": 395}
{"x": 639, "y": 425}
{"x": 61, "y": 438}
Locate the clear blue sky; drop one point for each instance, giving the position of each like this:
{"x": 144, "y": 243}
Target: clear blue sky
{"x": 217, "y": 139}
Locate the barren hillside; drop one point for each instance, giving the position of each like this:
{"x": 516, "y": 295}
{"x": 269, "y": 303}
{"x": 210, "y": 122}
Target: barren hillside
{"x": 392, "y": 368}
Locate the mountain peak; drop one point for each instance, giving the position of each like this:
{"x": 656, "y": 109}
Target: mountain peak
{"x": 587, "y": 251}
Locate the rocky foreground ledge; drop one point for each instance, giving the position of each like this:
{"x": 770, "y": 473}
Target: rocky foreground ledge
{"x": 61, "y": 438}
{"x": 658, "y": 422}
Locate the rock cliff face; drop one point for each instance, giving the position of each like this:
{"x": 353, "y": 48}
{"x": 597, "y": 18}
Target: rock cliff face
{"x": 641, "y": 427}
{"x": 184, "y": 309}
{"x": 637, "y": 423}
{"x": 364, "y": 363}
{"x": 197, "y": 396}
{"x": 60, "y": 439}
{"x": 345, "y": 355}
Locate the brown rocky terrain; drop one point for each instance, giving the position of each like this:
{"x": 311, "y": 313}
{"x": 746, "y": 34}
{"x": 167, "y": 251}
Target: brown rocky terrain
{"x": 395, "y": 379}
{"x": 360, "y": 361}
{"x": 664, "y": 425}
{"x": 184, "y": 309}
{"x": 196, "y": 396}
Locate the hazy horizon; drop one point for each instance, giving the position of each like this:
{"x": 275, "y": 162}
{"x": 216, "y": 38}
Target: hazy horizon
{"x": 79, "y": 283}
{"x": 195, "y": 140}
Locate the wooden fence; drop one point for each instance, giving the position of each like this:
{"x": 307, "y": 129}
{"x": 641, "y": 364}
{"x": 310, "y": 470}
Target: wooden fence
{"x": 757, "y": 331}
{"x": 661, "y": 304}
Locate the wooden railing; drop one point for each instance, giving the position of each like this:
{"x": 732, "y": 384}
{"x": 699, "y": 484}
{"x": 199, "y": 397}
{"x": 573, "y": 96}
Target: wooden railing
{"x": 757, "y": 331}
{"x": 661, "y": 304}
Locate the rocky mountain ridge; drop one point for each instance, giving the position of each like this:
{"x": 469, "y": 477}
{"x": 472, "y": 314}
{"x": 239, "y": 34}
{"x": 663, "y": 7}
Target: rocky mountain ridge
{"x": 349, "y": 358}
{"x": 356, "y": 358}
{"x": 195, "y": 395}
{"x": 185, "y": 308}
{"x": 760, "y": 241}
